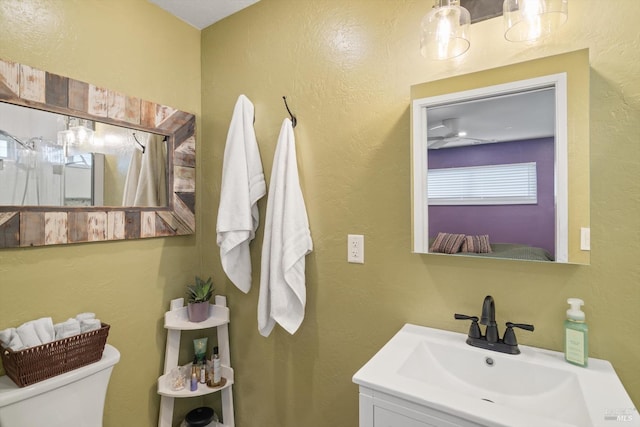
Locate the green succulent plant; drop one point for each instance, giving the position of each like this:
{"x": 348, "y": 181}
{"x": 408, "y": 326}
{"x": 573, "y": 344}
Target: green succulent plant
{"x": 200, "y": 291}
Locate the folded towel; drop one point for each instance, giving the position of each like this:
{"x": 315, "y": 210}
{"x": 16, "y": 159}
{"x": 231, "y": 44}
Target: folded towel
{"x": 87, "y": 325}
{"x": 243, "y": 185}
{"x": 44, "y": 329}
{"x": 287, "y": 240}
{"x": 67, "y": 329}
{"x": 85, "y": 316}
{"x": 7, "y": 335}
{"x": 28, "y": 335}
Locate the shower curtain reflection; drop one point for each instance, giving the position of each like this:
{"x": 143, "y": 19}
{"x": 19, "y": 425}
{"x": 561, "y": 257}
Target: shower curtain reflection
{"x": 31, "y": 172}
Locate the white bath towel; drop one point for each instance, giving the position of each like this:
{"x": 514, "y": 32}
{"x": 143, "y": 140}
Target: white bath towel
{"x": 243, "y": 185}
{"x": 287, "y": 240}
{"x": 28, "y": 335}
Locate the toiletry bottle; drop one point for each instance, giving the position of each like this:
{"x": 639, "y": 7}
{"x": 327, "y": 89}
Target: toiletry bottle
{"x": 202, "y": 365}
{"x": 194, "y": 382}
{"x": 217, "y": 370}
{"x": 576, "y": 343}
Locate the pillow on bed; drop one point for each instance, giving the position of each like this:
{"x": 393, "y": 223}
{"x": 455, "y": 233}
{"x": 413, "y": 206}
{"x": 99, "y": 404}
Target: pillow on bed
{"x": 447, "y": 243}
{"x": 476, "y": 244}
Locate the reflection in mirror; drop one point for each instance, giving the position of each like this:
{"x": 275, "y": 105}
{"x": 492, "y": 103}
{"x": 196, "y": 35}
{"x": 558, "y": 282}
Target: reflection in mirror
{"x": 50, "y": 159}
{"x": 499, "y": 169}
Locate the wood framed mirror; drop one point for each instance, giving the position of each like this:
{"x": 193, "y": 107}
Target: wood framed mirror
{"x": 26, "y": 226}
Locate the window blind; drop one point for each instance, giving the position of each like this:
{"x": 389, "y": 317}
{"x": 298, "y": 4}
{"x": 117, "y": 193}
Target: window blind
{"x": 505, "y": 184}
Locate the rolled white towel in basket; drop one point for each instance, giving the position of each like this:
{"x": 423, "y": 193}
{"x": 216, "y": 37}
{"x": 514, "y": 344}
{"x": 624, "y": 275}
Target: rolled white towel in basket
{"x": 6, "y": 335}
{"x": 85, "y": 316}
{"x": 28, "y": 335}
{"x": 44, "y": 329}
{"x": 67, "y": 329}
{"x": 87, "y": 325}
{"x": 10, "y": 339}
{"x": 16, "y": 343}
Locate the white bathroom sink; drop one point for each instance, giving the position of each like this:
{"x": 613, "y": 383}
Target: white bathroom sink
{"x": 439, "y": 370}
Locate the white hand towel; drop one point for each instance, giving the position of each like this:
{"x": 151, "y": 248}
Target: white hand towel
{"x": 44, "y": 329}
{"x": 287, "y": 240}
{"x": 28, "y": 335}
{"x": 243, "y": 185}
{"x": 87, "y": 325}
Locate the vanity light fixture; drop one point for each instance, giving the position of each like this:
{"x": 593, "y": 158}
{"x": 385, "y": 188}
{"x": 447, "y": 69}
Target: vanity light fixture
{"x": 529, "y": 20}
{"x": 445, "y": 30}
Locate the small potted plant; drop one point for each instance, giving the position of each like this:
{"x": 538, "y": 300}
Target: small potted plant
{"x": 198, "y": 296}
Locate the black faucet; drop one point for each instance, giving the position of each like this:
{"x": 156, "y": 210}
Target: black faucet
{"x": 491, "y": 341}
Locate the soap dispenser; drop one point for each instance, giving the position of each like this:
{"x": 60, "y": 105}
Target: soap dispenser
{"x": 576, "y": 343}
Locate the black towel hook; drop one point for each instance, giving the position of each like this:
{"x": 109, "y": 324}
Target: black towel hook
{"x": 139, "y": 143}
{"x": 294, "y": 121}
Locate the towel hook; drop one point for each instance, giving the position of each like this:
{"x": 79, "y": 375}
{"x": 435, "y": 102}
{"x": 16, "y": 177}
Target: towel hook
{"x": 138, "y": 142}
{"x": 294, "y": 121}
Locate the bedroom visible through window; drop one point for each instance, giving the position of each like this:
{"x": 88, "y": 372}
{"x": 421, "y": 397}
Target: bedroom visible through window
{"x": 506, "y": 184}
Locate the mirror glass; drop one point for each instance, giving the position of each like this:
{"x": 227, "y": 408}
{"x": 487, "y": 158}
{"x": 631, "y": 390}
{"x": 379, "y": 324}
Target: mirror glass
{"x": 51, "y": 159}
{"x": 494, "y": 166}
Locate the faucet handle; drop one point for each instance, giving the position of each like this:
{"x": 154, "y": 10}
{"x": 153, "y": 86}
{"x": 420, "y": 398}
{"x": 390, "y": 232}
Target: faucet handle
{"x": 474, "y": 329}
{"x": 509, "y": 337}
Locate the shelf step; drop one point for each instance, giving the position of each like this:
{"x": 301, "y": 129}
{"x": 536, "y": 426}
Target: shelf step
{"x": 179, "y": 319}
{"x": 203, "y": 389}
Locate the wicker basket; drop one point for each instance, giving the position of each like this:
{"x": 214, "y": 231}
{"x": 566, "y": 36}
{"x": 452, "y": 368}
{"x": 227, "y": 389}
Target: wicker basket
{"x": 34, "y": 364}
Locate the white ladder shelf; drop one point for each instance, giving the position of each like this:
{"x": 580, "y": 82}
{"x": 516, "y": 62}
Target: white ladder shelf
{"x": 175, "y": 321}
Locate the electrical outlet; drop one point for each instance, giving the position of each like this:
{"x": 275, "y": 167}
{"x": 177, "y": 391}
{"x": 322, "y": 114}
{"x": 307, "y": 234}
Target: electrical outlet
{"x": 585, "y": 239}
{"x": 355, "y": 248}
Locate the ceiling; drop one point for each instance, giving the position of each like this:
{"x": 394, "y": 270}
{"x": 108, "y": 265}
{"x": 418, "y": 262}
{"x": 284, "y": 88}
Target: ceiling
{"x": 202, "y": 13}
{"x": 511, "y": 117}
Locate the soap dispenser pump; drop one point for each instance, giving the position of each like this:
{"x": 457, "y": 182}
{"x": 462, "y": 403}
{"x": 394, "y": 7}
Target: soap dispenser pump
{"x": 576, "y": 343}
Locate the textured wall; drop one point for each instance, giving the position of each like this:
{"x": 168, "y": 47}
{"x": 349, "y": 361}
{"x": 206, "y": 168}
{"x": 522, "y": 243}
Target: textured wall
{"x": 137, "y": 49}
{"x": 346, "y": 69}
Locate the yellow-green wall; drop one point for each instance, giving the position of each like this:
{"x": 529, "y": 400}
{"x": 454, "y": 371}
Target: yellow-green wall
{"x": 138, "y": 49}
{"x": 346, "y": 69}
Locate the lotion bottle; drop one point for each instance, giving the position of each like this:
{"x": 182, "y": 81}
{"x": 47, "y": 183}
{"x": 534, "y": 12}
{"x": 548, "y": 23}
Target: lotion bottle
{"x": 576, "y": 342}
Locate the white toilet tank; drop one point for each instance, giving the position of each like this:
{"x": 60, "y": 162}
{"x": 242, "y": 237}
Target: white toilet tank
{"x": 74, "y": 398}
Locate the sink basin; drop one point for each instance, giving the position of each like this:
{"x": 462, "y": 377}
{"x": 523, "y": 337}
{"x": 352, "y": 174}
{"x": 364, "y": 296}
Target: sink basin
{"x": 438, "y": 370}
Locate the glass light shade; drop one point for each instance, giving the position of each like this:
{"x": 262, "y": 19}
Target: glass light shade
{"x": 529, "y": 20}
{"x": 445, "y": 31}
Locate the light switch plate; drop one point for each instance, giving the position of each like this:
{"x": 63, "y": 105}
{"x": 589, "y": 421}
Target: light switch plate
{"x": 585, "y": 239}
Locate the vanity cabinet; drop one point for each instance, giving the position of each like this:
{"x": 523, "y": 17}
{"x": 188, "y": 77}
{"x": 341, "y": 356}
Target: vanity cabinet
{"x": 379, "y": 409}
{"x": 175, "y": 321}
